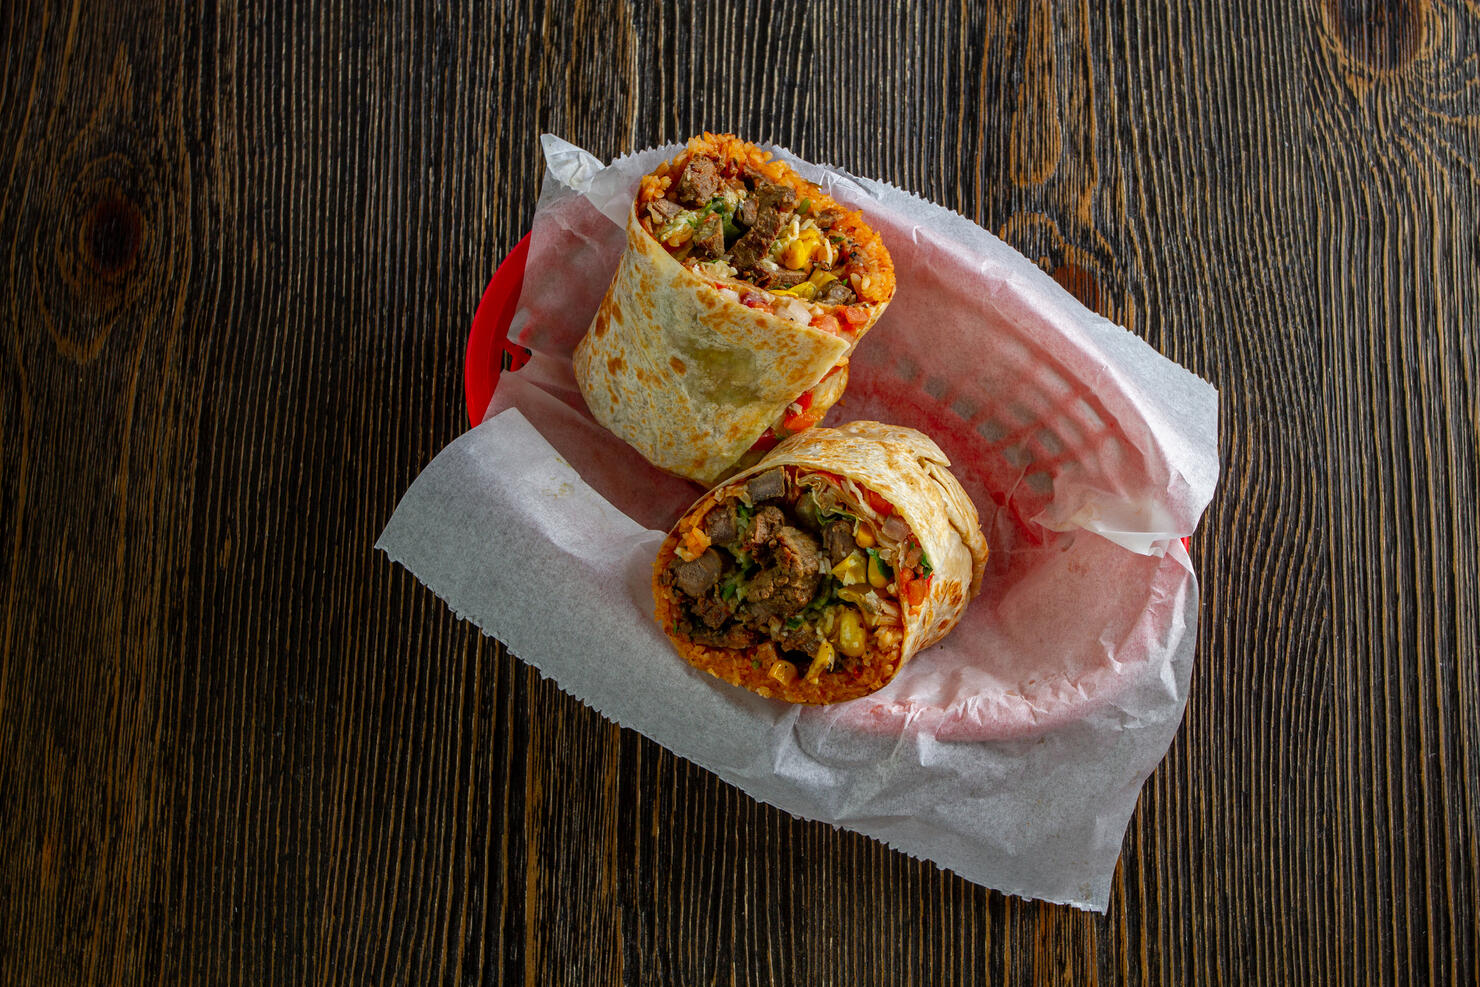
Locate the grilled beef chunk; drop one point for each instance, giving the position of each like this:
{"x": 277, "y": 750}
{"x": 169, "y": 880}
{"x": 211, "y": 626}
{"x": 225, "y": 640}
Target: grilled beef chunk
{"x": 698, "y": 183}
{"x": 664, "y": 210}
{"x": 695, "y": 577}
{"x": 795, "y": 552}
{"x": 745, "y": 213}
{"x": 838, "y": 538}
{"x": 789, "y": 580}
{"x": 768, "y": 275}
{"x": 720, "y": 524}
{"x": 712, "y": 610}
{"x": 767, "y": 486}
{"x": 804, "y": 639}
{"x": 734, "y": 636}
{"x": 763, "y": 527}
{"x": 780, "y": 198}
{"x": 837, "y": 293}
{"x": 709, "y": 242}
{"x": 775, "y": 203}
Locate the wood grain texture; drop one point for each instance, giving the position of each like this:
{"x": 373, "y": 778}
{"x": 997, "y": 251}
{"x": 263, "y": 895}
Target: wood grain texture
{"x": 243, "y": 247}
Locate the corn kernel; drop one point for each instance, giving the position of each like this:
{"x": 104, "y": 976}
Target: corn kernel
{"x": 805, "y": 291}
{"x": 877, "y": 577}
{"x": 798, "y": 253}
{"x": 851, "y": 570}
{"x": 821, "y": 663}
{"x": 864, "y": 537}
{"x": 851, "y": 636}
{"x": 783, "y": 672}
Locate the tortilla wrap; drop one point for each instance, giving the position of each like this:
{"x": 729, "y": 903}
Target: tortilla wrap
{"x": 902, "y": 468}
{"x": 677, "y": 366}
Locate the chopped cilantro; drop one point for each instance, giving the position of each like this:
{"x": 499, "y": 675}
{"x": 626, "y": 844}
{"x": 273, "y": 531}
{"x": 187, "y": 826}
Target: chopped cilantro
{"x": 730, "y": 588}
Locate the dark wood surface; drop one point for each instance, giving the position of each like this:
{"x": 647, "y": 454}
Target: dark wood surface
{"x": 242, "y": 250}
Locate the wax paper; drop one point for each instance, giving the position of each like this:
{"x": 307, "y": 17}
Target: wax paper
{"x": 1012, "y": 753}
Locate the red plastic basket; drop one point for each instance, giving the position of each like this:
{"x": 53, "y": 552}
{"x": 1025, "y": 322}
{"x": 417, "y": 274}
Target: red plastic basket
{"x": 489, "y": 349}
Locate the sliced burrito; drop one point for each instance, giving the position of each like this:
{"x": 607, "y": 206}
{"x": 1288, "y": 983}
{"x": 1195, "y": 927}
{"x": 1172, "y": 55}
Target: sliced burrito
{"x": 815, "y": 574}
{"x": 728, "y": 324}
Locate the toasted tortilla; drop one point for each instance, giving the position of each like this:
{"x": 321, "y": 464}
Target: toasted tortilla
{"x": 911, "y": 473}
{"x": 674, "y": 363}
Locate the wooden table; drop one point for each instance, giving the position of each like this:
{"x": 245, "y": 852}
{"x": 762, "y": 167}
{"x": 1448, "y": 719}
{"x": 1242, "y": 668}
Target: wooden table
{"x": 243, "y": 248}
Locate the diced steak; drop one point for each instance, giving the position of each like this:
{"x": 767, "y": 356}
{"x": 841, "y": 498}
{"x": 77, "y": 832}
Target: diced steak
{"x": 804, "y": 639}
{"x": 829, "y": 217}
{"x": 720, "y": 524}
{"x": 766, "y": 486}
{"x": 773, "y": 276}
{"x": 712, "y": 610}
{"x": 779, "y": 198}
{"x": 763, "y": 527}
{"x": 745, "y": 213}
{"x": 663, "y": 210}
{"x": 734, "y": 636}
{"x": 709, "y": 241}
{"x": 698, "y": 183}
{"x": 775, "y": 201}
{"x": 789, "y": 580}
{"x": 796, "y": 553}
{"x": 695, "y": 577}
{"x": 838, "y": 538}
{"x": 773, "y": 594}
{"x": 837, "y": 293}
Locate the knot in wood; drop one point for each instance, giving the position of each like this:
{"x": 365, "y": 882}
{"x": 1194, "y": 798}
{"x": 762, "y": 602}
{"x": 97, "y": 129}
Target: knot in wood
{"x": 112, "y": 233}
{"x": 1383, "y": 34}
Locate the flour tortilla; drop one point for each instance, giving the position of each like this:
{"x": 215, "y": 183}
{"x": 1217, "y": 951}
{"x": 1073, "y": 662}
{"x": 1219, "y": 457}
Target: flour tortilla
{"x": 688, "y": 375}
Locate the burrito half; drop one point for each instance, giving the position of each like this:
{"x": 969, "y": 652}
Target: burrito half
{"x": 728, "y": 324}
{"x": 816, "y": 574}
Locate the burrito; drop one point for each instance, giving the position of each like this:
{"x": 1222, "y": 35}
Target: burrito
{"x": 816, "y": 574}
{"x": 728, "y": 324}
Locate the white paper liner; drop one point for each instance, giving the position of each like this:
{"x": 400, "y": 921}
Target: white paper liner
{"x": 1011, "y": 753}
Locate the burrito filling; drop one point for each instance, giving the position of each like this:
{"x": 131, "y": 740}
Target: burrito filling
{"x": 766, "y": 238}
{"x": 802, "y": 578}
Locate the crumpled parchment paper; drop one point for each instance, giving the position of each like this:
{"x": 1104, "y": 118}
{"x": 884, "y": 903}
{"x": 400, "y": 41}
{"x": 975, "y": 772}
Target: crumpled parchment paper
{"x": 1011, "y": 753}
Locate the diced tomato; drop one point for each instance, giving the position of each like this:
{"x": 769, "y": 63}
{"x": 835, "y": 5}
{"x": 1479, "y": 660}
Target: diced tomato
{"x": 828, "y": 323}
{"x": 879, "y": 504}
{"x": 855, "y": 315}
{"x": 802, "y": 420}
{"x": 767, "y": 440}
{"x": 913, "y": 589}
{"x": 752, "y": 299}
